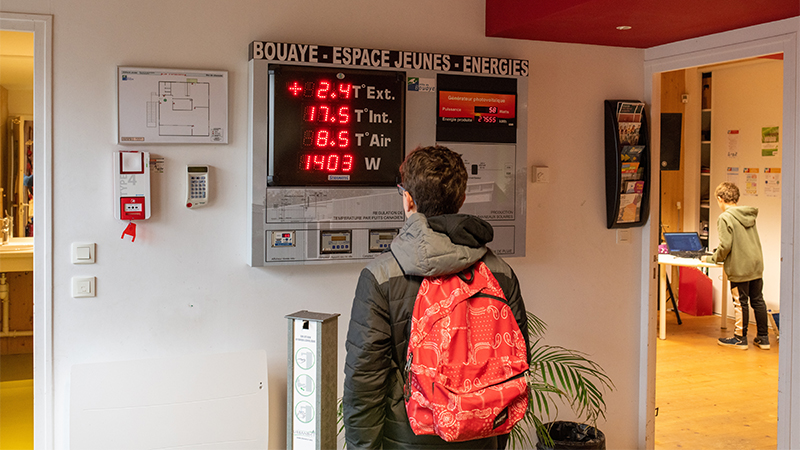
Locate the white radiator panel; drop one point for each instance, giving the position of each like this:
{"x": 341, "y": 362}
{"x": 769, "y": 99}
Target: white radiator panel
{"x": 199, "y": 402}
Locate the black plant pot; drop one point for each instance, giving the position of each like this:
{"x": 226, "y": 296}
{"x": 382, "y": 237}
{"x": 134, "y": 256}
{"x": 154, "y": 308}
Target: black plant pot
{"x": 573, "y": 435}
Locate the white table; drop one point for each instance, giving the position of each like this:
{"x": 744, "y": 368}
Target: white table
{"x": 669, "y": 260}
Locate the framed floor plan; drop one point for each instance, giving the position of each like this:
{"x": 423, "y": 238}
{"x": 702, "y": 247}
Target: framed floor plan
{"x": 172, "y": 106}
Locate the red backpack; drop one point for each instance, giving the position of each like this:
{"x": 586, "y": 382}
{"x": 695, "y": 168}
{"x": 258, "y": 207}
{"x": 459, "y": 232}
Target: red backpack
{"x": 466, "y": 359}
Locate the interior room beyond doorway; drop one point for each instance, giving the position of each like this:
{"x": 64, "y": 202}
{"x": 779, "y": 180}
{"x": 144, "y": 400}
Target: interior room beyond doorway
{"x": 16, "y": 249}
{"x": 730, "y": 116}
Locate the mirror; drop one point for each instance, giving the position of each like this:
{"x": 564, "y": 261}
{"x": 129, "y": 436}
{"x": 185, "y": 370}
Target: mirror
{"x": 16, "y": 131}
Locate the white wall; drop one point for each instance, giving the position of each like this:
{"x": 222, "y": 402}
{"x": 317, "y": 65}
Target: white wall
{"x": 746, "y": 97}
{"x": 183, "y": 288}
{"x": 20, "y": 102}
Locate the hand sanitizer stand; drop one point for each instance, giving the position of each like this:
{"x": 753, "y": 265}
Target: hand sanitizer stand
{"x": 311, "y": 381}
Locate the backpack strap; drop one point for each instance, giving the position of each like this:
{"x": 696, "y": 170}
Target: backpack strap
{"x": 467, "y": 275}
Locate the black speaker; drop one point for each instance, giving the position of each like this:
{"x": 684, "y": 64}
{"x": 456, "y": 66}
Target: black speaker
{"x": 671, "y": 141}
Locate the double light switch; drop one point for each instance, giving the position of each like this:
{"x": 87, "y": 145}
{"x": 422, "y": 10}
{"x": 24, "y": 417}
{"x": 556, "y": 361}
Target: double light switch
{"x": 83, "y": 253}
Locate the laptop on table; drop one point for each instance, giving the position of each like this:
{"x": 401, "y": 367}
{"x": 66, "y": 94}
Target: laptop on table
{"x": 685, "y": 244}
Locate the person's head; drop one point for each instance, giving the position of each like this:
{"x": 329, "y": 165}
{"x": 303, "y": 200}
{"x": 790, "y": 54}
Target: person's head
{"x": 727, "y": 194}
{"x": 436, "y": 179}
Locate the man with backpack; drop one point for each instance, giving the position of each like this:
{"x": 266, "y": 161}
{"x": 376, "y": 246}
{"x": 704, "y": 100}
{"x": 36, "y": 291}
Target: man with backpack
{"x": 434, "y": 243}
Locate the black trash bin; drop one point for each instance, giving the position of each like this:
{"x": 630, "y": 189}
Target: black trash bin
{"x": 573, "y": 435}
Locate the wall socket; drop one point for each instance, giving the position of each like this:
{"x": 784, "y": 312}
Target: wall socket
{"x": 84, "y": 287}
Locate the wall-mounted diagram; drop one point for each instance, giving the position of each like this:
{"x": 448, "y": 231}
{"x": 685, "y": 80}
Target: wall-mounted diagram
{"x": 180, "y": 108}
{"x": 172, "y": 106}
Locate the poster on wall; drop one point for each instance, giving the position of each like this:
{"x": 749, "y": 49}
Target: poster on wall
{"x": 772, "y": 181}
{"x": 732, "y": 175}
{"x": 769, "y": 141}
{"x": 733, "y": 144}
{"x": 751, "y": 181}
{"x": 171, "y": 106}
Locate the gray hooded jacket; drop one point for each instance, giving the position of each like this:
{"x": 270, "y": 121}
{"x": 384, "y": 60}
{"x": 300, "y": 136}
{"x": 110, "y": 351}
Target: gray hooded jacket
{"x": 380, "y": 321}
{"x": 739, "y": 245}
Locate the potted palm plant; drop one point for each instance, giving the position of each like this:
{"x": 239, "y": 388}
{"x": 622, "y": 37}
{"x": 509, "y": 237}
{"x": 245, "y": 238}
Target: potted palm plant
{"x": 556, "y": 374}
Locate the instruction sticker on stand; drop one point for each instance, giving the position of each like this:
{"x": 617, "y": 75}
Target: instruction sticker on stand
{"x": 305, "y": 406}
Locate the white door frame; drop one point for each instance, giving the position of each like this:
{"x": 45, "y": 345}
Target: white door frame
{"x": 42, "y": 28}
{"x": 775, "y": 37}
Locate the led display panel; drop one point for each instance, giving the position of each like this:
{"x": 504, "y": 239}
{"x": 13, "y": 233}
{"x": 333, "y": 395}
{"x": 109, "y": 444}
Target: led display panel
{"x": 476, "y": 109}
{"x": 335, "y": 127}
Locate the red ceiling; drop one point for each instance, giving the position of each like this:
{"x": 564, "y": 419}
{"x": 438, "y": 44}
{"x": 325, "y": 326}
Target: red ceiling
{"x": 652, "y": 22}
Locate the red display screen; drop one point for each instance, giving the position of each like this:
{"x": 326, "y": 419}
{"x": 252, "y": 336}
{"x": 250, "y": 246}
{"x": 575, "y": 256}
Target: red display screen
{"x": 335, "y": 126}
{"x": 476, "y": 109}
{"x": 473, "y": 107}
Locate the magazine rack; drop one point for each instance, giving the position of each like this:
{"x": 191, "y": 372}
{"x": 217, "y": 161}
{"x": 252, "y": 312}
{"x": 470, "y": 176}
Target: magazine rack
{"x": 627, "y": 164}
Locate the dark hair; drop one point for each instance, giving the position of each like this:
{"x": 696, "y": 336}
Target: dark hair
{"x": 436, "y": 179}
{"x": 728, "y": 192}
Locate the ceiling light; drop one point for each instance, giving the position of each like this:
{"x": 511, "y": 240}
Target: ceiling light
{"x": 623, "y": 27}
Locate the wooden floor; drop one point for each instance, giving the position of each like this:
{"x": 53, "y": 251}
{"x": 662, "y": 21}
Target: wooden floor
{"x": 714, "y": 397}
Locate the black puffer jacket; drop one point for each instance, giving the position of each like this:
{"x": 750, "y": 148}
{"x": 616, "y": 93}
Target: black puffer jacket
{"x": 374, "y": 411}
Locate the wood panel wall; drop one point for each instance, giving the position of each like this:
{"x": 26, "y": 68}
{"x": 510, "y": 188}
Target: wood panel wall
{"x": 20, "y": 314}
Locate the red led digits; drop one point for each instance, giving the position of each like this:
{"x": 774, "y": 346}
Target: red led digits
{"x": 344, "y": 115}
{"x": 324, "y": 114}
{"x": 333, "y": 163}
{"x": 323, "y": 90}
{"x": 328, "y": 163}
{"x": 344, "y": 139}
{"x": 319, "y": 162}
{"x": 347, "y": 163}
{"x": 322, "y": 138}
{"x": 339, "y": 127}
{"x": 328, "y": 120}
{"x": 310, "y": 113}
{"x": 344, "y": 90}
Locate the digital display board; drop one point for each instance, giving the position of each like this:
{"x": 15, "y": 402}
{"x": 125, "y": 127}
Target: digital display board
{"x": 335, "y": 127}
{"x": 329, "y": 127}
{"x": 476, "y": 109}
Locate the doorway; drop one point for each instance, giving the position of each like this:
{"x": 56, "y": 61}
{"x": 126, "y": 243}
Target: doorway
{"x": 779, "y": 37}
{"x": 723, "y": 144}
{"x": 40, "y": 26}
{"x": 16, "y": 279}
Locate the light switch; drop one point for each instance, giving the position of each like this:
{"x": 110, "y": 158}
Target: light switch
{"x": 540, "y": 174}
{"x": 83, "y": 253}
{"x": 83, "y": 287}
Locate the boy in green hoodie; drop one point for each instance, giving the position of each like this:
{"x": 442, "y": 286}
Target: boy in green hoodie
{"x": 740, "y": 251}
